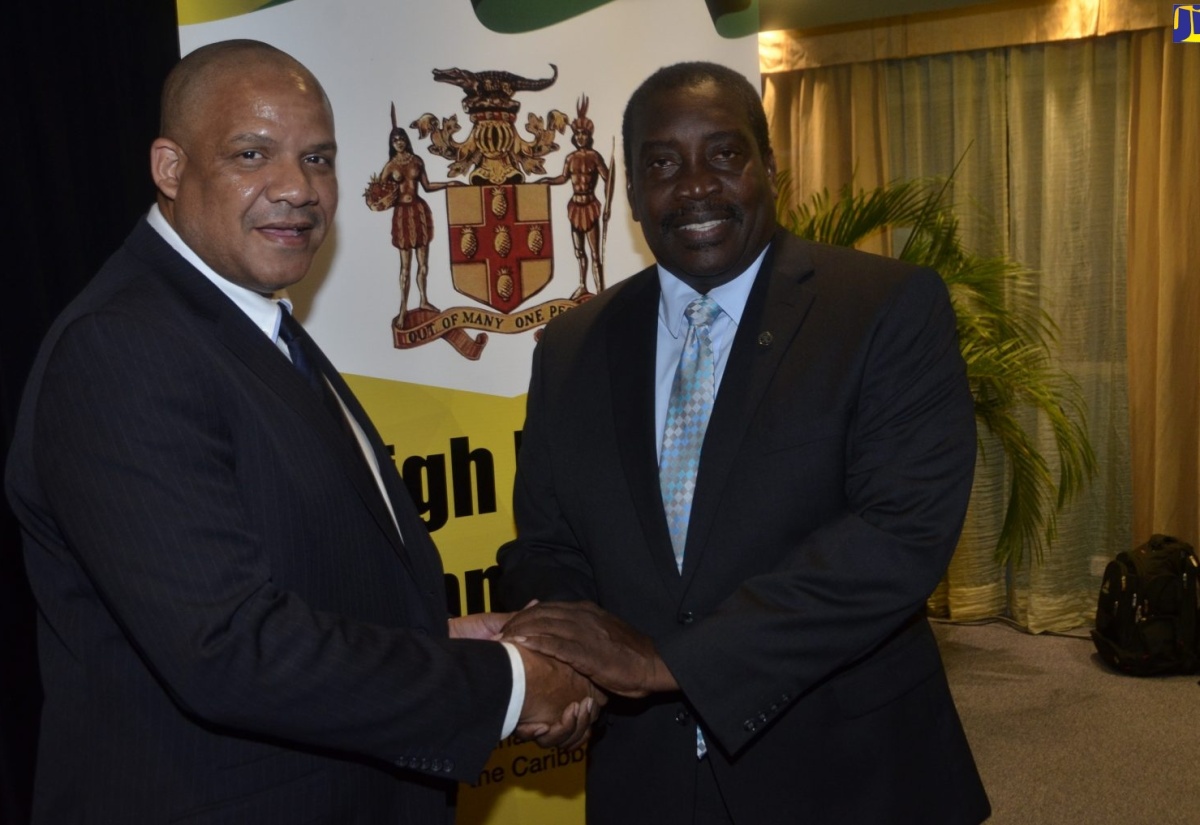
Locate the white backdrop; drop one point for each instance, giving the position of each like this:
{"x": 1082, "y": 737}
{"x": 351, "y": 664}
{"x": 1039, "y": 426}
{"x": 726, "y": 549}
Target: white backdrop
{"x": 450, "y": 420}
{"x": 373, "y": 52}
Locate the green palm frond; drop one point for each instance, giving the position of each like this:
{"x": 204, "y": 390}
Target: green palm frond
{"x": 1005, "y": 337}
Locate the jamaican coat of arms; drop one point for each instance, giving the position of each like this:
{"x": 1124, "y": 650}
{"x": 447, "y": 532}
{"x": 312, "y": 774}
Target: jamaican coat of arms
{"x": 498, "y": 221}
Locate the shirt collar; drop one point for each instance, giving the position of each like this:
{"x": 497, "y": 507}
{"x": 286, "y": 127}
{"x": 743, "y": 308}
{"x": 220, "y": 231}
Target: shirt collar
{"x": 731, "y": 296}
{"x": 262, "y": 310}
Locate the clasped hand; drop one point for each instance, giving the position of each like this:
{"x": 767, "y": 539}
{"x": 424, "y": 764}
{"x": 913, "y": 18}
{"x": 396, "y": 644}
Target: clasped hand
{"x": 595, "y": 644}
{"x": 573, "y": 652}
{"x": 560, "y": 704}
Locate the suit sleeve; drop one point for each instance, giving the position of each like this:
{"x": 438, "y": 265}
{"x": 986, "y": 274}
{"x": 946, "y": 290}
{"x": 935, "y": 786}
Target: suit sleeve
{"x": 546, "y": 561}
{"x": 148, "y": 473}
{"x": 840, "y": 592}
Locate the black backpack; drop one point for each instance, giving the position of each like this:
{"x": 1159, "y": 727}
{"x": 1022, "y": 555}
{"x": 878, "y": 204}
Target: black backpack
{"x": 1146, "y": 619}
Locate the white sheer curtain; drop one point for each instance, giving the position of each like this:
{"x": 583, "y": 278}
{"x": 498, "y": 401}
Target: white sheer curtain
{"x": 1044, "y": 129}
{"x": 1042, "y": 135}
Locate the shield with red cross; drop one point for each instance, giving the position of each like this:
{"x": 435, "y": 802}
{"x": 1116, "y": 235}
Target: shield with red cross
{"x": 501, "y": 249}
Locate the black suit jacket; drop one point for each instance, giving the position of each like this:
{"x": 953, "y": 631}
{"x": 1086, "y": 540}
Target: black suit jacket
{"x": 230, "y": 628}
{"x": 832, "y": 486}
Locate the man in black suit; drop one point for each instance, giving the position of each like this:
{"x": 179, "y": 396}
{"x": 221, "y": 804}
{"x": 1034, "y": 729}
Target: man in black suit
{"x": 766, "y": 639}
{"x": 242, "y": 617}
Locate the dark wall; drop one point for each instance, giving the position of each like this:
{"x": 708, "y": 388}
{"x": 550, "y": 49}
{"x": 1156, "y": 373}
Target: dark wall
{"x": 80, "y": 98}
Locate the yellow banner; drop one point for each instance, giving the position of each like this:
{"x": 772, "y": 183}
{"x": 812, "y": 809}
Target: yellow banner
{"x": 205, "y": 11}
{"x": 457, "y": 453}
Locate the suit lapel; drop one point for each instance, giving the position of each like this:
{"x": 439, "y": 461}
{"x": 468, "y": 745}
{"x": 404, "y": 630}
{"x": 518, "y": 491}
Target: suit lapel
{"x": 416, "y": 546}
{"x": 774, "y": 313}
{"x": 246, "y": 342}
{"x": 261, "y": 357}
{"x": 632, "y": 338}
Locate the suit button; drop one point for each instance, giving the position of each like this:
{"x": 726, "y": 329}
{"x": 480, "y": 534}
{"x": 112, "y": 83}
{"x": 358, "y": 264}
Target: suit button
{"x": 750, "y": 725}
{"x": 435, "y": 765}
{"x": 447, "y": 765}
{"x": 687, "y": 617}
{"x": 402, "y": 762}
{"x": 683, "y": 717}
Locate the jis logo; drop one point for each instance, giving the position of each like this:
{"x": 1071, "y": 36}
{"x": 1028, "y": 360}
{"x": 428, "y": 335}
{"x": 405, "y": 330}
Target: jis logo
{"x": 1185, "y": 23}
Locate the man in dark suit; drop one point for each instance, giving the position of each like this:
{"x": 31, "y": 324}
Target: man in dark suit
{"x": 242, "y": 618}
{"x": 766, "y": 639}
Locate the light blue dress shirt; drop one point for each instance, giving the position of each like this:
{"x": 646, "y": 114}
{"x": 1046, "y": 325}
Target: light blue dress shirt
{"x": 672, "y": 327}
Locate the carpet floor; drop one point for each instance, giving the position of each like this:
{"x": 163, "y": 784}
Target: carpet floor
{"x": 1061, "y": 739}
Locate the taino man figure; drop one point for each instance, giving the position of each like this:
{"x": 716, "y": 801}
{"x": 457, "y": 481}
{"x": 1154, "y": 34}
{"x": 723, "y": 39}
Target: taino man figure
{"x": 583, "y": 168}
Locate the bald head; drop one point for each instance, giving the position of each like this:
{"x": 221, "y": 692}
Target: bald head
{"x": 245, "y": 162}
{"x": 188, "y": 91}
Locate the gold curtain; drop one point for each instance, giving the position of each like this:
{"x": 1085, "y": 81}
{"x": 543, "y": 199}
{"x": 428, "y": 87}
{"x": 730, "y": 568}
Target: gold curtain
{"x": 1164, "y": 286}
{"x": 982, "y": 26}
{"x": 830, "y": 126}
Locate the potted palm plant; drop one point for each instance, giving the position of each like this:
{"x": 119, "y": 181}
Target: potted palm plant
{"x": 1005, "y": 337}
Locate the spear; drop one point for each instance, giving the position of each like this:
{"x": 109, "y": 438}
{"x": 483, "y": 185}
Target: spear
{"x": 608, "y": 193}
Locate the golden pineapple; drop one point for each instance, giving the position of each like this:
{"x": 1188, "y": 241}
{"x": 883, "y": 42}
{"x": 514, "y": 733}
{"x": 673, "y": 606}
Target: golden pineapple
{"x": 499, "y": 202}
{"x": 503, "y": 242}
{"x": 468, "y": 243}
{"x": 505, "y": 283}
{"x": 535, "y": 239}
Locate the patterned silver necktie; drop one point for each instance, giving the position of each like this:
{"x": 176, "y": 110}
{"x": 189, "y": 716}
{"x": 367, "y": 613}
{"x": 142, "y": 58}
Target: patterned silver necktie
{"x": 690, "y": 404}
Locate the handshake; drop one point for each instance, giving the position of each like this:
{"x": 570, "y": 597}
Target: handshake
{"x": 575, "y": 654}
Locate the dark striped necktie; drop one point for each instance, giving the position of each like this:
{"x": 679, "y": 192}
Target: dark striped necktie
{"x": 300, "y": 348}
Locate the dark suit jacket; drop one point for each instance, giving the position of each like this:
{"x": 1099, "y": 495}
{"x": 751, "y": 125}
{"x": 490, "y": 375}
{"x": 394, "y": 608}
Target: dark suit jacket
{"x": 832, "y": 486}
{"x": 230, "y": 629}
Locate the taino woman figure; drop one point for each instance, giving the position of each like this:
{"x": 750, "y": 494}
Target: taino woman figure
{"x": 397, "y": 187}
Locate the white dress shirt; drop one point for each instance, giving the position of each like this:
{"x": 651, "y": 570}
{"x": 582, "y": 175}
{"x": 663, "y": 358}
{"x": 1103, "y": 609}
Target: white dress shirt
{"x": 263, "y": 311}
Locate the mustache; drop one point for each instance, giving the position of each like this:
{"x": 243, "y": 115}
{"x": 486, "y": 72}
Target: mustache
{"x": 703, "y": 211}
{"x": 291, "y": 216}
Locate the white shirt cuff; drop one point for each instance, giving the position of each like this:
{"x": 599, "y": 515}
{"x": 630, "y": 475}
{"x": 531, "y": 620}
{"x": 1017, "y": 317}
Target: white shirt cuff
{"x": 517, "y": 700}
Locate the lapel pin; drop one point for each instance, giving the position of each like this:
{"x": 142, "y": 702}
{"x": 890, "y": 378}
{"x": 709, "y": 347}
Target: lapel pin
{"x": 765, "y": 339}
